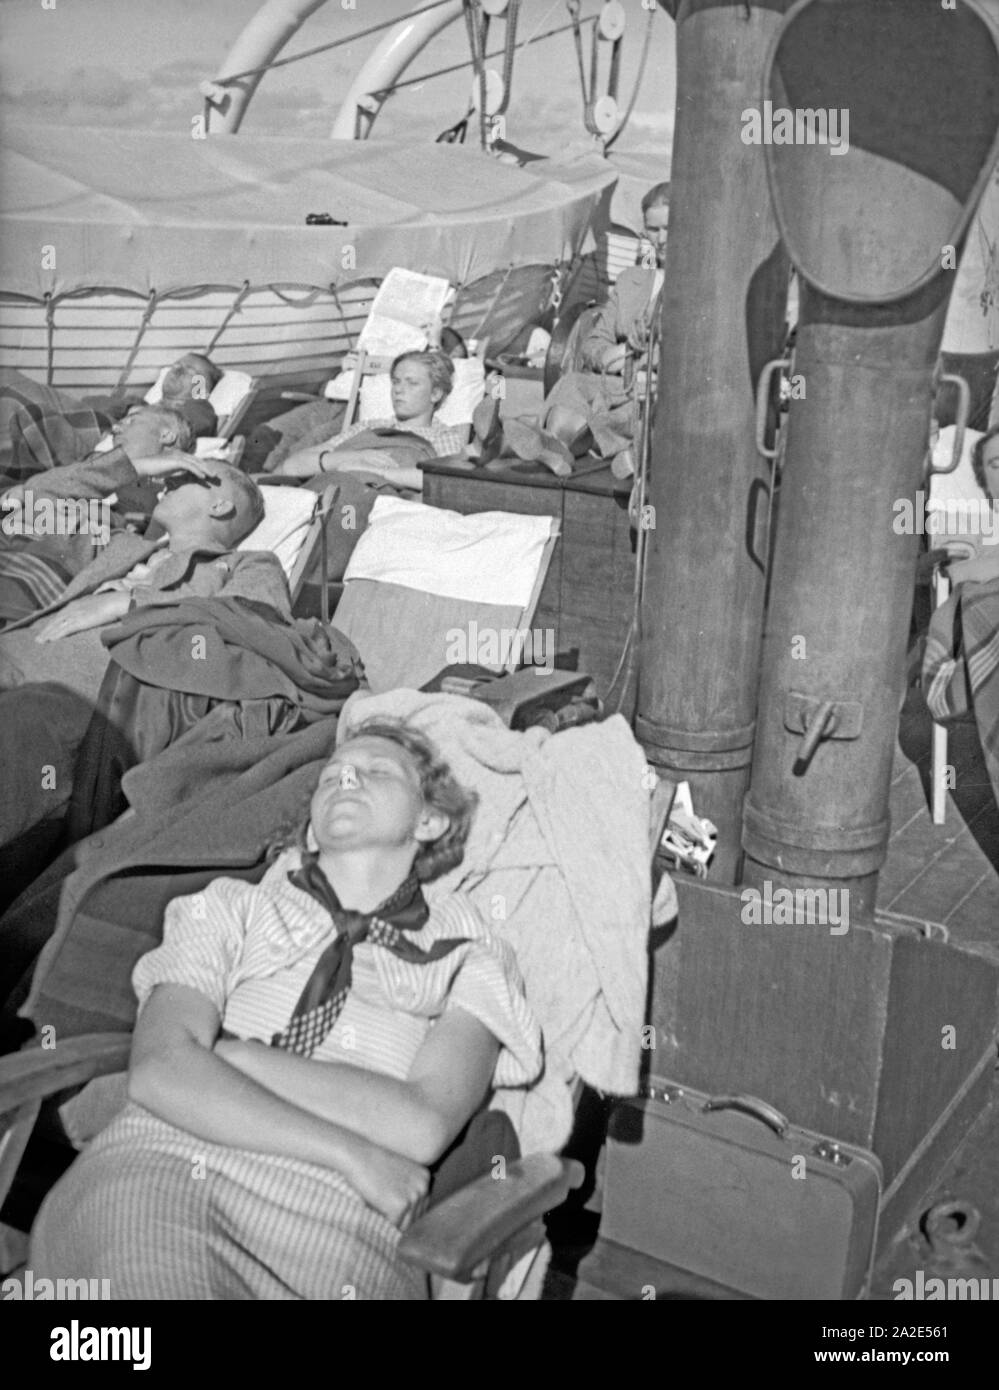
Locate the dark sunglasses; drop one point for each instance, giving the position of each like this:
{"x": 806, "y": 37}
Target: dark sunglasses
{"x": 173, "y": 481}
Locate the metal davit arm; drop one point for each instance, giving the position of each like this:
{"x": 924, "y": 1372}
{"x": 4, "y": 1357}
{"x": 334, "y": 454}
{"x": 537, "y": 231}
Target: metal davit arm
{"x": 262, "y": 39}
{"x": 227, "y": 98}
{"x": 388, "y": 62}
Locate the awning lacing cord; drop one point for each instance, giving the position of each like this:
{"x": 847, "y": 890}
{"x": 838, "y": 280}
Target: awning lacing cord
{"x": 140, "y": 333}
{"x": 49, "y": 339}
{"x": 231, "y": 313}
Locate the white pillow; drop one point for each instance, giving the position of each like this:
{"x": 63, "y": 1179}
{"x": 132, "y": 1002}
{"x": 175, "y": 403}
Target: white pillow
{"x": 227, "y": 395}
{"x": 288, "y": 513}
{"x": 376, "y": 393}
{"x": 230, "y": 393}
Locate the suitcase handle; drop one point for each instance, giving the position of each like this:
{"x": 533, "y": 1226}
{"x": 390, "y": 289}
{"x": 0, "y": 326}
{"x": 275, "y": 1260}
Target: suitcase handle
{"x": 751, "y": 1105}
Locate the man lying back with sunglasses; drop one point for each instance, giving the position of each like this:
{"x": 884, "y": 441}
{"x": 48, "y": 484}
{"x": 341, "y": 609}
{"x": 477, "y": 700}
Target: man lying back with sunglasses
{"x": 52, "y": 669}
{"x": 189, "y": 550}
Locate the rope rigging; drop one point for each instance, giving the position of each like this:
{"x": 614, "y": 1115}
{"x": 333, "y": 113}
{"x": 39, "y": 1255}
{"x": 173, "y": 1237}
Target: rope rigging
{"x": 477, "y": 24}
{"x": 477, "y": 21}
{"x": 383, "y": 92}
{"x": 639, "y": 78}
{"x": 325, "y": 47}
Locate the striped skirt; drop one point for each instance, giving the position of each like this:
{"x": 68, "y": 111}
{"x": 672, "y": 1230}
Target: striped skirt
{"x": 164, "y": 1216}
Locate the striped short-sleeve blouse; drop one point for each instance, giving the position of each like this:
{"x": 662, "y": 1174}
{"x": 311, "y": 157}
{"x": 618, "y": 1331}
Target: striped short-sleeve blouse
{"x": 251, "y": 949}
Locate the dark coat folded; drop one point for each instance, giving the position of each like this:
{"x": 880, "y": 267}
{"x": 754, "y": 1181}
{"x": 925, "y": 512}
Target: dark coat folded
{"x": 200, "y": 812}
{"x": 233, "y": 649}
{"x": 201, "y": 671}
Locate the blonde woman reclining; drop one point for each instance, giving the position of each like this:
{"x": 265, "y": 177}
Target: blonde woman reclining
{"x": 306, "y": 1047}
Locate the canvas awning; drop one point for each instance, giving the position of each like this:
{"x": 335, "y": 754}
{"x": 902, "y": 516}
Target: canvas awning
{"x": 142, "y": 211}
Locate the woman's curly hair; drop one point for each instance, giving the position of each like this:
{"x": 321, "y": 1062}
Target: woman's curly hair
{"x": 440, "y": 789}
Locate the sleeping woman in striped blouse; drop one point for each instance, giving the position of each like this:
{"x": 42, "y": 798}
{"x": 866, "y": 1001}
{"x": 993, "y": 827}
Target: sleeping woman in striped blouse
{"x": 306, "y": 1049}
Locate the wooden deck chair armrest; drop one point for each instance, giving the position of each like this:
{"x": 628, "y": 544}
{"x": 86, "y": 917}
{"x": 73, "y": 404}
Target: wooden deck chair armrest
{"x": 39, "y": 1071}
{"x": 355, "y": 391}
{"x": 237, "y": 447}
{"x": 28, "y": 1078}
{"x": 456, "y": 1238}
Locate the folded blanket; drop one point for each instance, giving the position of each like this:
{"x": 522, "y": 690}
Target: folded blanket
{"x": 200, "y": 811}
{"x": 48, "y": 429}
{"x": 32, "y": 576}
{"x": 558, "y": 863}
{"x": 197, "y": 671}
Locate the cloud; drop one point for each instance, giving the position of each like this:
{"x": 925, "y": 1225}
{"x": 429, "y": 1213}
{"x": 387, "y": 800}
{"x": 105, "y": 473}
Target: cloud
{"x": 98, "y": 87}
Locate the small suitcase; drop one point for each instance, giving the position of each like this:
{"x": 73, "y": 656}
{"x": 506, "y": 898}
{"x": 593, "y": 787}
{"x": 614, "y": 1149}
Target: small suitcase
{"x": 728, "y": 1189}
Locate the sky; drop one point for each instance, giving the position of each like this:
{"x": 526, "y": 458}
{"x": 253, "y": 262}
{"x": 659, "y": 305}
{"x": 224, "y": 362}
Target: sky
{"x": 138, "y": 63}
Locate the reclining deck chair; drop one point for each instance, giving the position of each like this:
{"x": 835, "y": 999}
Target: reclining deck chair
{"x": 462, "y": 1237}
{"x": 294, "y": 528}
{"x": 426, "y": 588}
{"x": 394, "y": 325}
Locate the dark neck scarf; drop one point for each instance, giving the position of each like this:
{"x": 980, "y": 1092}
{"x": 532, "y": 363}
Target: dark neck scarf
{"x": 326, "y": 990}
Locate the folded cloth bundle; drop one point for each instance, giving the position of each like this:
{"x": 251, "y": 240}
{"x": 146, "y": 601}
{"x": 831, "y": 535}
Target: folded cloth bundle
{"x": 578, "y": 420}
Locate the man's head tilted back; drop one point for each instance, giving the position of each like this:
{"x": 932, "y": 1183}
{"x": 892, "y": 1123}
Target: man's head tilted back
{"x": 149, "y": 429}
{"x": 192, "y": 377}
{"x": 223, "y": 509}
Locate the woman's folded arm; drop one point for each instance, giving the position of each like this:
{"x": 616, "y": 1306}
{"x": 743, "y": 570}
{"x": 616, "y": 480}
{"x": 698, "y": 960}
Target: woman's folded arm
{"x": 418, "y": 1117}
{"x": 177, "y": 1076}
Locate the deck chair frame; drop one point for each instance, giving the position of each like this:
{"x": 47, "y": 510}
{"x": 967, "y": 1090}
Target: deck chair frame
{"x": 315, "y": 539}
{"x": 530, "y": 607}
{"x": 525, "y": 616}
